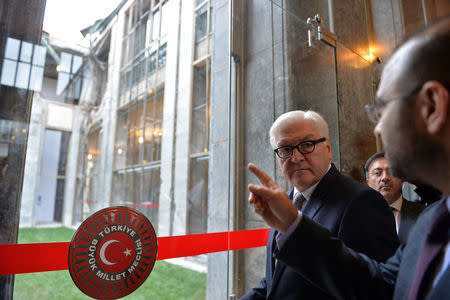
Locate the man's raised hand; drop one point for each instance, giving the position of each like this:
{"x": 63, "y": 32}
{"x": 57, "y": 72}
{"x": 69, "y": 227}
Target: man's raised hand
{"x": 270, "y": 201}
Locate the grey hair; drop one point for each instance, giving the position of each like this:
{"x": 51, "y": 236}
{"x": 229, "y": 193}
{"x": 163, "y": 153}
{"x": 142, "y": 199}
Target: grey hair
{"x": 319, "y": 122}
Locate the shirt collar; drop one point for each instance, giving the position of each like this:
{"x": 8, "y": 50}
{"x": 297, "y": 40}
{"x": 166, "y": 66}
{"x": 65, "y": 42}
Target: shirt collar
{"x": 397, "y": 204}
{"x": 308, "y": 192}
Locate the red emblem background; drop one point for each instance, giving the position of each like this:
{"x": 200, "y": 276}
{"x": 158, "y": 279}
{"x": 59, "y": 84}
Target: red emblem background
{"x": 112, "y": 253}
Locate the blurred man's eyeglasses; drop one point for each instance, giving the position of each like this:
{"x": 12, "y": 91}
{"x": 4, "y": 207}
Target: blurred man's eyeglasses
{"x": 374, "y": 112}
{"x": 305, "y": 147}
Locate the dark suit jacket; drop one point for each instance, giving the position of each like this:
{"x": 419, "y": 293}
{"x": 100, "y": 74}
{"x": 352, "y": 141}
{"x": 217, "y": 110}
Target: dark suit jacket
{"x": 352, "y": 212}
{"x": 409, "y": 212}
{"x": 346, "y": 274}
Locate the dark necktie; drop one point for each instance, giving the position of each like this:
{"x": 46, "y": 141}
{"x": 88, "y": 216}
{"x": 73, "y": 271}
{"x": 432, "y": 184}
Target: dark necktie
{"x": 299, "y": 199}
{"x": 395, "y": 212}
{"x": 435, "y": 240}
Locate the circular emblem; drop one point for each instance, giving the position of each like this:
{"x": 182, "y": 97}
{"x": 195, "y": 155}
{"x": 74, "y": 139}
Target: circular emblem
{"x": 112, "y": 253}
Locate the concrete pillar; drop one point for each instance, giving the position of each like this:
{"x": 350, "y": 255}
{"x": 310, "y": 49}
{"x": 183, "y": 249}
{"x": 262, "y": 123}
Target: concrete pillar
{"x": 183, "y": 118}
{"x": 36, "y": 134}
{"x": 110, "y": 109}
{"x": 166, "y": 197}
{"x": 73, "y": 167}
{"x": 22, "y": 20}
{"x": 219, "y": 193}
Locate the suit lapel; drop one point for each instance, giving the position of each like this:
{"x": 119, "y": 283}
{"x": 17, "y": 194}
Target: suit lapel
{"x": 320, "y": 194}
{"x": 272, "y": 245}
{"x": 279, "y": 269}
{"x": 312, "y": 206}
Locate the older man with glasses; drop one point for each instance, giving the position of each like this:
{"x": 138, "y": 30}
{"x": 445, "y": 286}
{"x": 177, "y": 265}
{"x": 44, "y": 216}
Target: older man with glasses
{"x": 350, "y": 210}
{"x": 412, "y": 112}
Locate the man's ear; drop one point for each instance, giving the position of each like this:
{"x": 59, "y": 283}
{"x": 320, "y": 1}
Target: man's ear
{"x": 330, "y": 151}
{"x": 434, "y": 106}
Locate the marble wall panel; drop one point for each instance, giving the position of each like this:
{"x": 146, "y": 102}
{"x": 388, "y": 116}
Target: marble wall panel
{"x": 255, "y": 265}
{"x": 216, "y": 281}
{"x": 355, "y": 89}
{"x": 350, "y": 25}
{"x": 259, "y": 26}
{"x": 218, "y": 177}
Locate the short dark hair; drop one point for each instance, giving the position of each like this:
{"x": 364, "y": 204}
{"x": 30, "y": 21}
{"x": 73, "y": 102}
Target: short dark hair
{"x": 370, "y": 161}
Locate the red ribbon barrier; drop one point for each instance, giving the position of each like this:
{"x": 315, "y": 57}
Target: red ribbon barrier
{"x": 42, "y": 257}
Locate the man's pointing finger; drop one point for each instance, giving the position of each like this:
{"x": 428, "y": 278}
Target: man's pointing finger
{"x": 262, "y": 176}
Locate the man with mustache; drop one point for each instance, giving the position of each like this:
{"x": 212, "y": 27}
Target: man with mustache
{"x": 350, "y": 210}
{"x": 405, "y": 212}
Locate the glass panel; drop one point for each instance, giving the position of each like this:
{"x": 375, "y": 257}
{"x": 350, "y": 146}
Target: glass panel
{"x": 47, "y": 187}
{"x": 162, "y": 55}
{"x": 39, "y": 55}
{"x": 145, "y": 4}
{"x": 156, "y": 23}
{"x": 159, "y": 107}
{"x": 78, "y": 83}
{"x": 23, "y": 74}
{"x": 119, "y": 191}
{"x": 37, "y": 75}
{"x": 199, "y": 85}
{"x": 199, "y": 138}
{"x": 135, "y": 75}
{"x": 150, "y": 193}
{"x": 138, "y": 112}
{"x": 131, "y": 184}
{"x": 12, "y": 49}
{"x": 291, "y": 65}
{"x": 121, "y": 140}
{"x": 165, "y": 19}
{"x": 140, "y": 141}
{"x": 133, "y": 118}
{"x": 153, "y": 130}
{"x": 59, "y": 200}
{"x": 66, "y": 62}
{"x": 152, "y": 62}
{"x": 8, "y": 72}
{"x": 128, "y": 79}
{"x": 201, "y": 17}
{"x": 26, "y": 52}
{"x": 63, "y": 80}
{"x": 77, "y": 61}
{"x": 182, "y": 132}
{"x": 198, "y": 196}
{"x": 132, "y": 150}
{"x": 92, "y": 188}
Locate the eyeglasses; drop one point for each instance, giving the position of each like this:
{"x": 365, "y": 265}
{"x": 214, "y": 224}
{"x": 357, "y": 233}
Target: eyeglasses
{"x": 374, "y": 112}
{"x": 304, "y": 147}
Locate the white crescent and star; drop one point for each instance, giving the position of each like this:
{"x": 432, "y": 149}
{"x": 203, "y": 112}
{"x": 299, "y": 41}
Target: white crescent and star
{"x": 103, "y": 250}
{"x": 127, "y": 252}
